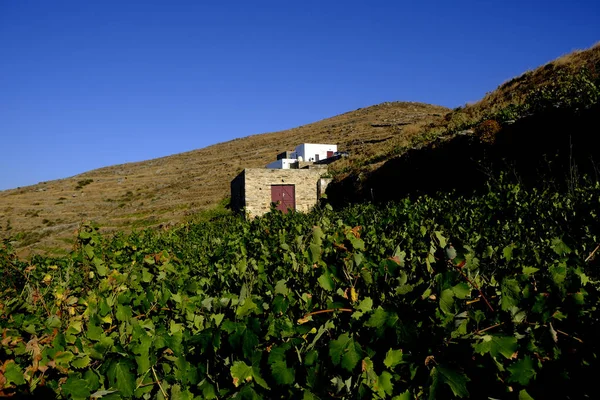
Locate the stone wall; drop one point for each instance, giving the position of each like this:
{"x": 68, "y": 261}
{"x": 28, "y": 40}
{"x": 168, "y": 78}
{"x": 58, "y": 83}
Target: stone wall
{"x": 252, "y": 188}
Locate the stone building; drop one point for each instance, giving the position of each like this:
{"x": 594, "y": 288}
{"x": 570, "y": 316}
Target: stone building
{"x": 255, "y": 189}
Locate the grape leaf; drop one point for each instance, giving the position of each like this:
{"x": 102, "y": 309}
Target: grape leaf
{"x": 393, "y": 358}
{"x": 497, "y": 345}
{"x": 447, "y": 301}
{"x": 120, "y": 377}
{"x": 76, "y": 388}
{"x": 240, "y": 372}
{"x": 510, "y": 293}
{"x": 377, "y": 319}
{"x": 13, "y": 373}
{"x": 326, "y": 282}
{"x": 522, "y": 371}
{"x": 456, "y": 380}
{"x": 279, "y": 368}
{"x": 461, "y": 290}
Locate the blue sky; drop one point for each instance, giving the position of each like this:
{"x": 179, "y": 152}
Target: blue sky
{"x": 89, "y": 84}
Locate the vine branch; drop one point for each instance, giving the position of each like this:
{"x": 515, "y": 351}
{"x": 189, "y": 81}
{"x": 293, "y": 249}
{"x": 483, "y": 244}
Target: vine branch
{"x": 328, "y": 310}
{"x": 475, "y": 286}
{"x": 592, "y": 253}
{"x": 159, "y": 385}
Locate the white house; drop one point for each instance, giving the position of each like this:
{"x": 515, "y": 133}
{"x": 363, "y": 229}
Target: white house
{"x": 315, "y": 152}
{"x": 310, "y": 152}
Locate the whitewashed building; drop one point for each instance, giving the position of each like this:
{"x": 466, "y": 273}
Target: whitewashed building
{"x": 307, "y": 152}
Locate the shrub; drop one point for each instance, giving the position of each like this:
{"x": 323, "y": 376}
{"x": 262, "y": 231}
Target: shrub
{"x": 487, "y": 130}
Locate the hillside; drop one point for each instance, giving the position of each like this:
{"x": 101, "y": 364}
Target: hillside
{"x": 536, "y": 127}
{"x": 43, "y": 217}
{"x": 542, "y": 112}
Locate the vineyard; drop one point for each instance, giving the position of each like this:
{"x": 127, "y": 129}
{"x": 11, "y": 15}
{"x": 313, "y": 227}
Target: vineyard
{"x": 489, "y": 296}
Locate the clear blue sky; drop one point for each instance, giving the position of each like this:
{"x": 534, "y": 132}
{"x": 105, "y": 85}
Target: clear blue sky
{"x": 87, "y": 84}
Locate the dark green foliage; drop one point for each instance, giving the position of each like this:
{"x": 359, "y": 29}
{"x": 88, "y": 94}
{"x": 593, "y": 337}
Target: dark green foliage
{"x": 358, "y": 303}
{"x": 82, "y": 183}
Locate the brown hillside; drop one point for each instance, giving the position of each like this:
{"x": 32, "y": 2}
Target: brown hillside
{"x": 43, "y": 217}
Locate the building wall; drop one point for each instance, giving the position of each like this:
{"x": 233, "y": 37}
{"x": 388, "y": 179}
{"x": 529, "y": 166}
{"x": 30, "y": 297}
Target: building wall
{"x": 238, "y": 199}
{"x": 283, "y": 163}
{"x": 308, "y": 150}
{"x": 257, "y": 188}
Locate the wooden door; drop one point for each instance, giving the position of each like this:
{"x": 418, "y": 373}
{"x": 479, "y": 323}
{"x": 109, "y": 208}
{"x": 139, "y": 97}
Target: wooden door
{"x": 329, "y": 154}
{"x": 284, "y": 197}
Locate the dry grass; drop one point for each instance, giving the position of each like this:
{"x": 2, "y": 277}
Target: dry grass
{"x": 515, "y": 89}
{"x": 171, "y": 189}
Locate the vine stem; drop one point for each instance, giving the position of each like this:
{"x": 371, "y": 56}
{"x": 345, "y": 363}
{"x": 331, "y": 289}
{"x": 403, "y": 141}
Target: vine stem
{"x": 159, "y": 385}
{"x": 558, "y": 331}
{"x": 328, "y": 310}
{"x": 571, "y": 336}
{"x": 489, "y": 328}
{"x": 592, "y": 253}
{"x": 475, "y": 286}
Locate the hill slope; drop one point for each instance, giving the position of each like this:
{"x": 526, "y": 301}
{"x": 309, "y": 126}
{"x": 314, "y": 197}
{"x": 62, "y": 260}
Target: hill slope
{"x": 43, "y": 217}
{"x": 538, "y": 126}
{"x": 387, "y": 142}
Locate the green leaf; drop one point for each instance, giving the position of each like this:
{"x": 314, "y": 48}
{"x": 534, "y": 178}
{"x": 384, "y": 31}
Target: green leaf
{"x": 178, "y": 394}
{"x": 365, "y": 305}
{"x": 308, "y": 395}
{"x": 393, "y": 358}
{"x": 510, "y": 294}
{"x": 497, "y": 345}
{"x": 384, "y": 384}
{"x": 456, "y": 380}
{"x": 53, "y": 321}
{"x": 99, "y": 264}
{"x": 81, "y": 362}
{"x": 522, "y": 371}
{"x": 447, "y": 301}
{"x": 120, "y": 377}
{"x": 508, "y": 252}
{"x": 377, "y": 319}
{"x": 337, "y": 348}
{"x": 13, "y": 373}
{"x": 101, "y": 393}
{"x": 441, "y": 238}
{"x": 246, "y": 308}
{"x": 404, "y": 289}
{"x": 240, "y": 372}
{"x": 314, "y": 253}
{"x": 256, "y": 361}
{"x": 281, "y": 288}
{"x": 326, "y": 282}
{"x": 584, "y": 279}
{"x": 345, "y": 351}
{"x": 351, "y": 356}
{"x": 558, "y": 273}
{"x": 404, "y": 396}
{"x": 560, "y": 247}
{"x": 217, "y": 318}
{"x": 530, "y": 270}
{"x": 63, "y": 358}
{"x": 76, "y": 388}
{"x": 461, "y": 290}
{"x": 279, "y": 368}
{"x": 523, "y": 395}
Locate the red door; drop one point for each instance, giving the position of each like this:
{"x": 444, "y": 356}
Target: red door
{"x": 329, "y": 154}
{"x": 284, "y": 197}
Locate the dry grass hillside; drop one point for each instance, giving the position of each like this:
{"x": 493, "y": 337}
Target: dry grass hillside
{"x": 43, "y": 217}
